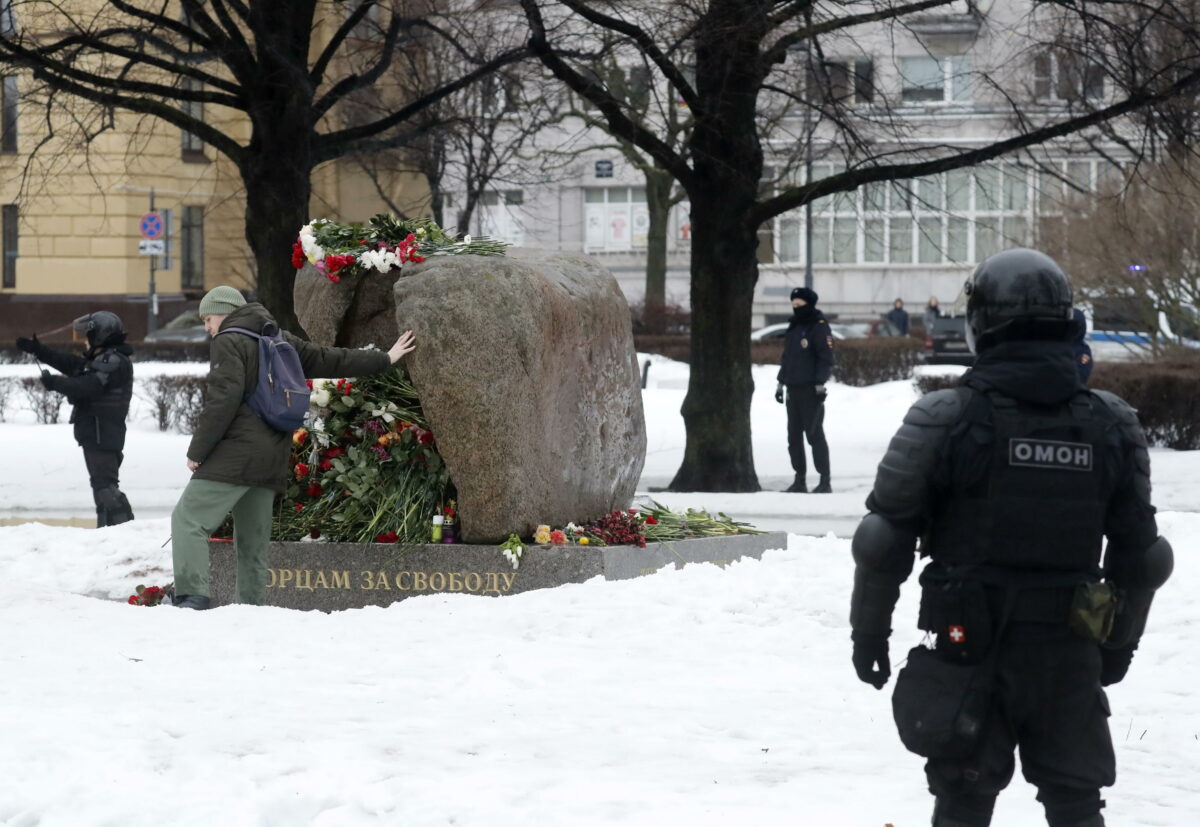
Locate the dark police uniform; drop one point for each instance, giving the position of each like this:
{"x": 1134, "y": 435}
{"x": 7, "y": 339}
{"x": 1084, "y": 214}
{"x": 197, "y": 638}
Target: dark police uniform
{"x": 1011, "y": 482}
{"x": 99, "y": 386}
{"x": 807, "y": 363}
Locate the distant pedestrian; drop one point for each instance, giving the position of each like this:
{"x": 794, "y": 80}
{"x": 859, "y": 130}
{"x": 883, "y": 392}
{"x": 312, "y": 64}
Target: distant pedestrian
{"x": 898, "y": 316}
{"x": 99, "y": 386}
{"x": 1083, "y": 352}
{"x": 804, "y": 370}
{"x": 932, "y": 313}
{"x": 238, "y": 461}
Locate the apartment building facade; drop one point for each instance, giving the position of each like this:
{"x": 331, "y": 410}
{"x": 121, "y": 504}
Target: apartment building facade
{"x": 949, "y": 80}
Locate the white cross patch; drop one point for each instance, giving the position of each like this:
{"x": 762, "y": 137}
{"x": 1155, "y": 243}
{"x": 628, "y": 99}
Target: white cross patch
{"x": 958, "y": 634}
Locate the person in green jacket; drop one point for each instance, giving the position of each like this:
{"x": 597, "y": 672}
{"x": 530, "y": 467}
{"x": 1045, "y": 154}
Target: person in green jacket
{"x": 239, "y": 462}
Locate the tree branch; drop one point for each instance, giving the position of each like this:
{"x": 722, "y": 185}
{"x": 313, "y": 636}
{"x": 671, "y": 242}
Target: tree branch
{"x": 619, "y": 124}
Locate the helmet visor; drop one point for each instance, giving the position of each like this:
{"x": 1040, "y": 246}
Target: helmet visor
{"x": 83, "y": 324}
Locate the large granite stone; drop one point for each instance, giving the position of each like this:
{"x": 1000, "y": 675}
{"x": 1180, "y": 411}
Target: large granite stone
{"x": 527, "y": 373}
{"x": 333, "y": 576}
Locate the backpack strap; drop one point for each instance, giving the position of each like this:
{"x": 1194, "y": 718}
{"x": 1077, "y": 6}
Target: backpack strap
{"x": 240, "y": 330}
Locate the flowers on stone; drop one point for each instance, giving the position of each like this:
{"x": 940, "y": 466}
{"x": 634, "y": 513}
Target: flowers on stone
{"x": 558, "y": 537}
{"x": 384, "y": 244}
{"x": 541, "y": 534}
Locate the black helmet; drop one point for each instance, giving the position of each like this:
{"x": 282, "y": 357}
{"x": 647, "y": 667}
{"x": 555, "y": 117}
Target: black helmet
{"x": 102, "y": 328}
{"x": 1017, "y": 294}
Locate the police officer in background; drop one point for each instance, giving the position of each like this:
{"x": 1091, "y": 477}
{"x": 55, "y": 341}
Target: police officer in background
{"x": 1011, "y": 481}
{"x": 804, "y": 369}
{"x": 99, "y": 386}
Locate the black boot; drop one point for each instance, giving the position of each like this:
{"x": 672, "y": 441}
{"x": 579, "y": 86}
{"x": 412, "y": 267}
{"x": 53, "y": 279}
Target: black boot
{"x": 798, "y": 486}
{"x": 191, "y": 601}
{"x": 823, "y": 486}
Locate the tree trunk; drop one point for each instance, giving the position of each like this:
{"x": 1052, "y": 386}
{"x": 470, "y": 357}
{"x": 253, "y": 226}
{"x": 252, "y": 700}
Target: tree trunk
{"x": 727, "y": 162}
{"x": 658, "y": 201}
{"x": 277, "y": 193}
{"x": 719, "y": 454}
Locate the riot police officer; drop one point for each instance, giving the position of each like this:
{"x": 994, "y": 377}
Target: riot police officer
{"x": 99, "y": 386}
{"x": 1011, "y": 481}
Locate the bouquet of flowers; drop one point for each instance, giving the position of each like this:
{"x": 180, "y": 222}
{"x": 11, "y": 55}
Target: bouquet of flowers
{"x": 147, "y": 596}
{"x": 366, "y": 466}
{"x": 384, "y": 243}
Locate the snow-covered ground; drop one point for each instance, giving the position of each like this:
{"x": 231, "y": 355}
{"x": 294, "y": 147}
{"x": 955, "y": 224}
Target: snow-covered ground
{"x": 695, "y": 697}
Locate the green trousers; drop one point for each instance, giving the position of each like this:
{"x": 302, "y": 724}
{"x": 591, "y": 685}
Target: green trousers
{"x": 200, "y": 512}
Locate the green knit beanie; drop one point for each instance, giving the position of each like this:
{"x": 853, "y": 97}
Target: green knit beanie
{"x": 220, "y": 301}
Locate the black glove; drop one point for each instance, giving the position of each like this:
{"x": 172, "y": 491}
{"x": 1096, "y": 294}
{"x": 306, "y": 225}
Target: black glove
{"x": 49, "y": 380}
{"x": 821, "y": 393}
{"x": 779, "y": 393}
{"x": 1114, "y": 663}
{"x": 29, "y": 345}
{"x": 871, "y": 659}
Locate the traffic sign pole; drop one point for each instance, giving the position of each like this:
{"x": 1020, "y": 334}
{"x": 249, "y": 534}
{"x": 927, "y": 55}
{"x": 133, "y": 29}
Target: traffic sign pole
{"x": 151, "y": 228}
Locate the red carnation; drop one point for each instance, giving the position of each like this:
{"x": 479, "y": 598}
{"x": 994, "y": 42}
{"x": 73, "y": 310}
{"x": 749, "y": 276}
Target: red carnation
{"x": 315, "y": 490}
{"x": 301, "y": 470}
{"x": 387, "y": 537}
{"x": 298, "y": 258}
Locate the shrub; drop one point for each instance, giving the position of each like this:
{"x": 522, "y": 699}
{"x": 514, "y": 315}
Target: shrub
{"x": 936, "y": 382}
{"x": 6, "y": 386}
{"x": 861, "y": 362}
{"x": 1165, "y": 391}
{"x": 660, "y": 319}
{"x": 175, "y": 401}
{"x": 45, "y": 404}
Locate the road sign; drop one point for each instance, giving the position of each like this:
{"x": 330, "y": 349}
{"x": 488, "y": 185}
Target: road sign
{"x": 151, "y": 226}
{"x": 152, "y": 248}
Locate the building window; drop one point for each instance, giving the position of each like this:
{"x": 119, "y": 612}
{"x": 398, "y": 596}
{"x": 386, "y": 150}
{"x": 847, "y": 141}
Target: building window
{"x": 846, "y": 81}
{"x": 1058, "y": 76}
{"x": 8, "y": 114}
{"x": 191, "y": 259}
{"x": 955, "y": 217}
{"x": 935, "y": 80}
{"x": 499, "y": 218}
{"x": 190, "y": 144}
{"x": 617, "y": 219}
{"x": 11, "y": 215}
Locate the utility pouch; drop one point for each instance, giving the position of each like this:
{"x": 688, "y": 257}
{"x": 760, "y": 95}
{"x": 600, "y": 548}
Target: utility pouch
{"x": 957, "y": 611}
{"x": 939, "y": 706}
{"x": 1093, "y": 610}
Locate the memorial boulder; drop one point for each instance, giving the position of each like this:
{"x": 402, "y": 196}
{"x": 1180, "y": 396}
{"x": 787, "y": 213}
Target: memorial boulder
{"x": 526, "y": 372}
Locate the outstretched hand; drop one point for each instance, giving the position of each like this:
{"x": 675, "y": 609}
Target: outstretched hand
{"x": 29, "y": 345}
{"x": 405, "y": 344}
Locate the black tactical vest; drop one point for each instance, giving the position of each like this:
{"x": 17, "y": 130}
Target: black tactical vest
{"x": 1024, "y": 486}
{"x": 100, "y": 421}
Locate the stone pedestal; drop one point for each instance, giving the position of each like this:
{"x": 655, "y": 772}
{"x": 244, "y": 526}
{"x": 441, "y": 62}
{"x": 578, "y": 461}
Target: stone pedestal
{"x": 333, "y": 576}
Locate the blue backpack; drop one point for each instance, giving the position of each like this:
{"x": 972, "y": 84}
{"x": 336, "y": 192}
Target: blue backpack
{"x": 281, "y": 396}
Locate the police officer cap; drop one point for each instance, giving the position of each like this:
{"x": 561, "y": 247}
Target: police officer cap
{"x": 1017, "y": 294}
{"x": 807, "y": 293}
{"x": 102, "y": 328}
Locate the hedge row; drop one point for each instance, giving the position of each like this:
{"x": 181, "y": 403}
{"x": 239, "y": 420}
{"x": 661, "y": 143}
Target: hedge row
{"x": 174, "y": 401}
{"x": 1165, "y": 391}
{"x": 856, "y": 362}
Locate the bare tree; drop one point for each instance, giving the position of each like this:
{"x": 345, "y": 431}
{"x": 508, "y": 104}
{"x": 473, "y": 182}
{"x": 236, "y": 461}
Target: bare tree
{"x": 732, "y": 61}
{"x": 1126, "y": 246}
{"x": 258, "y": 58}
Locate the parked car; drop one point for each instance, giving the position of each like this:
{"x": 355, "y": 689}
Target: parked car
{"x": 946, "y": 342}
{"x": 840, "y": 330}
{"x": 186, "y": 327}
